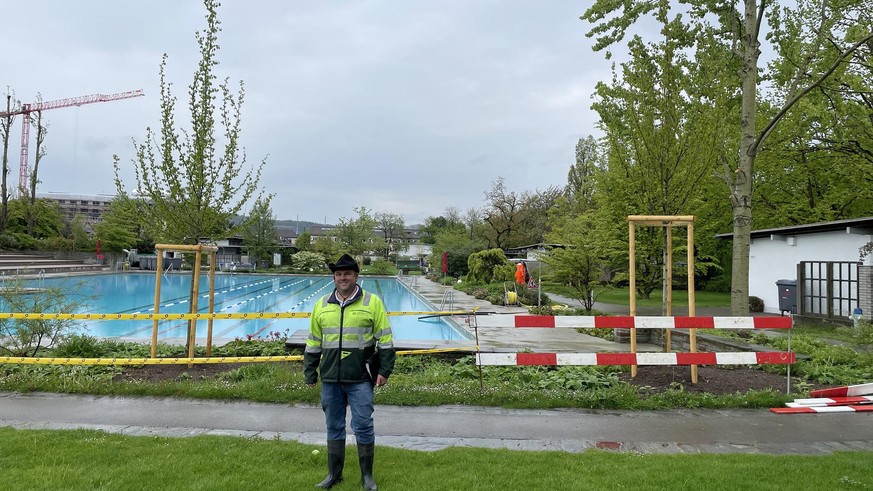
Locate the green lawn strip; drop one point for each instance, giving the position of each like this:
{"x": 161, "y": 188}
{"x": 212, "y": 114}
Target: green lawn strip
{"x": 416, "y": 382}
{"x": 86, "y": 459}
{"x": 620, "y": 296}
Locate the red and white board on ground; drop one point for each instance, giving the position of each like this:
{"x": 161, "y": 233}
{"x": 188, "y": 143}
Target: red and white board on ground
{"x": 845, "y": 391}
{"x": 823, "y": 409}
{"x": 831, "y": 401}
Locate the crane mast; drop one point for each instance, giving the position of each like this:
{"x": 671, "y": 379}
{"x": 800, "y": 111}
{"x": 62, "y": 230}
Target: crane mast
{"x": 26, "y": 109}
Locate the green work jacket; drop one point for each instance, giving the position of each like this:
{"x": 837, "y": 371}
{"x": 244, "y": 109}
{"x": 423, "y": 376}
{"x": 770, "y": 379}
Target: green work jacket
{"x": 343, "y": 336}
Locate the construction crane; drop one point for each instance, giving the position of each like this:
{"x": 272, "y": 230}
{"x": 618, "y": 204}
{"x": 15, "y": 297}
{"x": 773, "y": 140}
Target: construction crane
{"x": 26, "y": 109}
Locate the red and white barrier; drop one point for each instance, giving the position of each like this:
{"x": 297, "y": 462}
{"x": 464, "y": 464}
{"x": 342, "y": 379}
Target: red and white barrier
{"x": 845, "y": 391}
{"x": 633, "y": 322}
{"x": 589, "y": 359}
{"x": 830, "y": 401}
{"x": 822, "y": 409}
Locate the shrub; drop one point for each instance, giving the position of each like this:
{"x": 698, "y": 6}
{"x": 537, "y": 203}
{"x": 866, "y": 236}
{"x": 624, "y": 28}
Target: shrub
{"x": 381, "y": 267}
{"x": 308, "y": 262}
{"x": 79, "y": 346}
{"x": 447, "y": 280}
{"x": 26, "y": 337}
{"x": 488, "y": 266}
{"x": 756, "y": 304}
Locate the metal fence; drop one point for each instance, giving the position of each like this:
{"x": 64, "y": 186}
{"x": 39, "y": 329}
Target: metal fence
{"x": 827, "y": 289}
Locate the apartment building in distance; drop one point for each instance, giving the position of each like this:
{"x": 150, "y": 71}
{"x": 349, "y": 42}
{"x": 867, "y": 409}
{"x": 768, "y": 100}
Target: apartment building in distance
{"x": 90, "y": 206}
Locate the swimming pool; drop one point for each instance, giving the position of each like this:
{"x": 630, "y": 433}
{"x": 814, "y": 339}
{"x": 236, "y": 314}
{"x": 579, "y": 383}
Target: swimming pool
{"x": 135, "y": 293}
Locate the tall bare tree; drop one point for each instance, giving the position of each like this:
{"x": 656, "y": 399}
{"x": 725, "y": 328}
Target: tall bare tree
{"x": 5, "y": 129}
{"x": 41, "y": 130}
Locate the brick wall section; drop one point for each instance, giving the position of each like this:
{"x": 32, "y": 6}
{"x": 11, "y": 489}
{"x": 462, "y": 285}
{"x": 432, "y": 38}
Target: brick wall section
{"x": 865, "y": 291}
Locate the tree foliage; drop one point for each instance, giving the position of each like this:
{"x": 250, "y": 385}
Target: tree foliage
{"x": 259, "y": 231}
{"x": 194, "y": 179}
{"x": 392, "y": 228}
{"x": 120, "y": 228}
{"x": 357, "y": 236}
{"x": 731, "y": 37}
{"x": 489, "y": 266}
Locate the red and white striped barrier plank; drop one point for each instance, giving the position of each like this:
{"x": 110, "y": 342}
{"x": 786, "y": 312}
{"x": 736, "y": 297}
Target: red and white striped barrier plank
{"x": 845, "y": 391}
{"x": 831, "y": 401}
{"x": 631, "y": 322}
{"x": 589, "y": 359}
{"x": 822, "y": 409}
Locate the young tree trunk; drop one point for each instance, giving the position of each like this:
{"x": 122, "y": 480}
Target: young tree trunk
{"x": 741, "y": 181}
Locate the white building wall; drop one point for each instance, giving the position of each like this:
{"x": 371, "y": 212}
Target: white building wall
{"x": 776, "y": 258}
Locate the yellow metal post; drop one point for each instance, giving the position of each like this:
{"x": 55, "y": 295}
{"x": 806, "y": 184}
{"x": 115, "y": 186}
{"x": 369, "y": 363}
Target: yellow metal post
{"x": 195, "y": 295}
{"x": 211, "y": 302}
{"x": 158, "y": 265}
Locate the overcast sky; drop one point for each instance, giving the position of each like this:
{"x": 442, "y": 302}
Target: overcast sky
{"x": 403, "y": 107}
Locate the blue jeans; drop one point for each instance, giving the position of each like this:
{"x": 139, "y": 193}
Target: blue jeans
{"x": 359, "y": 397}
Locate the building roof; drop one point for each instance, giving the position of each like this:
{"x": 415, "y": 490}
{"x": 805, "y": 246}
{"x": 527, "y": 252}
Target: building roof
{"x": 853, "y": 225}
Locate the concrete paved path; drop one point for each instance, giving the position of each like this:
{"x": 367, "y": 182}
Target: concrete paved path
{"x": 434, "y": 428}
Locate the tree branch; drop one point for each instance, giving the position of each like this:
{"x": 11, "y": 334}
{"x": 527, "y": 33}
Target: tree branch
{"x": 753, "y": 149}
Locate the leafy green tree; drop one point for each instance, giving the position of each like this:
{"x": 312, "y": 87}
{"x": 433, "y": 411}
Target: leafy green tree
{"x": 82, "y": 240}
{"x": 327, "y": 247}
{"x": 723, "y": 33}
{"x": 581, "y": 264}
{"x": 458, "y": 246}
{"x": 357, "y": 236}
{"x": 119, "y": 229}
{"x": 502, "y": 216}
{"x": 489, "y": 266}
{"x": 49, "y": 220}
{"x": 194, "y": 187}
{"x": 259, "y": 231}
{"x": 435, "y": 225}
{"x": 581, "y": 178}
{"x": 304, "y": 241}
{"x": 392, "y": 227}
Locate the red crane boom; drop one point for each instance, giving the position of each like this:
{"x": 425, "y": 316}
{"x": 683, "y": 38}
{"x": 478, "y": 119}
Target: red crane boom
{"x": 26, "y": 109}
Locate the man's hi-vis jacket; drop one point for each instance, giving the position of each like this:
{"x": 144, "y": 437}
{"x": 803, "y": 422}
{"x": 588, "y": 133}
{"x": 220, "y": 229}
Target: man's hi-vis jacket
{"x": 343, "y": 337}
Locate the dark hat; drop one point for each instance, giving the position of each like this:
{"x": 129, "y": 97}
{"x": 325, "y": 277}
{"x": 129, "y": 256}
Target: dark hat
{"x": 346, "y": 262}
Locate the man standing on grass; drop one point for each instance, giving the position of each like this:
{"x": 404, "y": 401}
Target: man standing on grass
{"x": 345, "y": 330}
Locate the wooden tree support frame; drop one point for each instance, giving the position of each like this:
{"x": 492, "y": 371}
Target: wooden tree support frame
{"x": 667, "y": 221}
{"x": 198, "y": 251}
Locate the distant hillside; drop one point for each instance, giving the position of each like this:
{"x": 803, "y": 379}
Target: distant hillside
{"x": 292, "y": 224}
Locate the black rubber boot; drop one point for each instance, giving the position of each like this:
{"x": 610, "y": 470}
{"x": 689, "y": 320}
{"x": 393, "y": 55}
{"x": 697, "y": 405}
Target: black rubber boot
{"x": 365, "y": 458}
{"x": 336, "y": 459}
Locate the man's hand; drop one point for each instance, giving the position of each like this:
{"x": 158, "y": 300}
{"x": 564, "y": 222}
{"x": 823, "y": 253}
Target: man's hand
{"x": 311, "y": 386}
{"x": 381, "y": 380}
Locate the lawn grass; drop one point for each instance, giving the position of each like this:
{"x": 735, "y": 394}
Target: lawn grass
{"x": 87, "y": 459}
{"x": 620, "y": 296}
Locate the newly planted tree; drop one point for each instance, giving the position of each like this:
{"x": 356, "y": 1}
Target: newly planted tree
{"x": 195, "y": 179}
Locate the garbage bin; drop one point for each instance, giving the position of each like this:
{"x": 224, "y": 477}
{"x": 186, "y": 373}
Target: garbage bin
{"x": 787, "y": 296}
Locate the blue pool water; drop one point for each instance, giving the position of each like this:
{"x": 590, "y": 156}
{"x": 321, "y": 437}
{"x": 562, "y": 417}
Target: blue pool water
{"x": 135, "y": 293}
